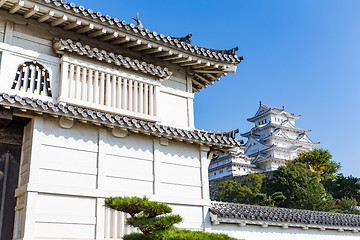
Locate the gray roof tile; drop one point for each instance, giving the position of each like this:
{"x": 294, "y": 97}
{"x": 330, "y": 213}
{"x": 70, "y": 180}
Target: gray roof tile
{"x": 112, "y": 58}
{"x": 253, "y": 212}
{"x": 223, "y": 55}
{"x": 213, "y": 138}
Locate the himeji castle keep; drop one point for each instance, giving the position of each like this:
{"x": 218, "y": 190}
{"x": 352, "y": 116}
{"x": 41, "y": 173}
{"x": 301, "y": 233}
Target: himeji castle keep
{"x": 270, "y": 143}
{"x": 92, "y": 106}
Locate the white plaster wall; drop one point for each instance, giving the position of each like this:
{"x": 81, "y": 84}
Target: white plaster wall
{"x": 176, "y": 98}
{"x": 253, "y": 232}
{"x": 173, "y": 110}
{"x": 291, "y": 134}
{"x": 73, "y": 170}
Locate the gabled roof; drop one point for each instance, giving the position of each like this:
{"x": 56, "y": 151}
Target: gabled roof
{"x": 280, "y": 134}
{"x": 279, "y": 216}
{"x": 230, "y": 155}
{"x": 304, "y": 138}
{"x": 292, "y": 148}
{"x": 68, "y": 45}
{"x": 286, "y": 125}
{"x": 265, "y": 109}
{"x": 260, "y": 157}
{"x": 34, "y": 106}
{"x": 256, "y": 139}
{"x": 207, "y": 65}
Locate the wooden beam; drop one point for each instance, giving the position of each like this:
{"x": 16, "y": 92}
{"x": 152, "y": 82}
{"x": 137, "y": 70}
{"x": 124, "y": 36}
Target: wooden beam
{"x": 59, "y": 21}
{"x": 164, "y": 54}
{"x": 86, "y": 28}
{"x": 192, "y": 63}
{"x": 173, "y": 57}
{"x": 31, "y": 11}
{"x": 209, "y": 71}
{"x": 121, "y": 40}
{"x": 2, "y": 2}
{"x": 197, "y": 84}
{"x": 72, "y": 25}
{"x": 132, "y": 43}
{"x": 212, "y": 77}
{"x": 142, "y": 47}
{"x": 46, "y": 16}
{"x": 16, "y": 7}
{"x": 204, "y": 65}
{"x": 203, "y": 79}
{"x": 183, "y": 60}
{"x": 98, "y": 33}
{"x": 153, "y": 50}
{"x": 110, "y": 36}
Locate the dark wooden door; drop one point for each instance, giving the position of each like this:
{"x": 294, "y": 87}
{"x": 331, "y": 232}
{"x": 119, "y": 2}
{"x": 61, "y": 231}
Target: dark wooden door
{"x": 10, "y": 149}
{"x": 9, "y": 167}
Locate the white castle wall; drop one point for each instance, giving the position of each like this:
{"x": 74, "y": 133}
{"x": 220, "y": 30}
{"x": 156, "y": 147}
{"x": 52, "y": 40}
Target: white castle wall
{"x": 253, "y": 232}
{"x": 71, "y": 171}
{"x": 29, "y": 40}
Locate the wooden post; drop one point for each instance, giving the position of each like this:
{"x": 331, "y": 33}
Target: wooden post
{"x": 96, "y": 87}
{"x": 113, "y": 91}
{"x": 77, "y": 83}
{"x": 102, "y": 88}
{"x": 108, "y": 90}
{"x": 146, "y": 99}
{"x": 4, "y": 192}
{"x": 118, "y": 93}
{"x": 124, "y": 94}
{"x": 135, "y": 105}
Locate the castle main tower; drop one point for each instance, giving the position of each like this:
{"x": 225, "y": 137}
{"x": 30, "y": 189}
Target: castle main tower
{"x": 275, "y": 138}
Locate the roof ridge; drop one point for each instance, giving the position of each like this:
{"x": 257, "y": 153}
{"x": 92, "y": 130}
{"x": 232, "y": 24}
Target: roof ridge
{"x": 37, "y": 105}
{"x": 112, "y": 58}
{"x": 220, "y": 55}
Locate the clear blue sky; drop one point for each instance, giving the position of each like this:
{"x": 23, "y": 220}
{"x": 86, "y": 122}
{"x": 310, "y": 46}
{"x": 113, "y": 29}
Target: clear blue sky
{"x": 304, "y": 55}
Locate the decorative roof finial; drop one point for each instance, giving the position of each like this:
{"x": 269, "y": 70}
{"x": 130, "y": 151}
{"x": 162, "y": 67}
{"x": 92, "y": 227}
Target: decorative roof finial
{"x": 260, "y": 102}
{"x": 185, "y": 39}
{"x": 138, "y": 21}
{"x": 283, "y": 107}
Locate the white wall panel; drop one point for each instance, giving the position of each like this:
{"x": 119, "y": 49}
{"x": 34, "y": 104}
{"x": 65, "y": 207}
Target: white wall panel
{"x": 69, "y": 179}
{"x": 129, "y": 186}
{"x": 180, "y": 153}
{"x": 117, "y": 166}
{"x": 33, "y": 38}
{"x": 173, "y": 110}
{"x": 65, "y": 205}
{"x": 133, "y": 146}
{"x": 64, "y": 217}
{"x": 64, "y": 231}
{"x": 192, "y": 216}
{"x": 175, "y": 83}
{"x": 68, "y": 159}
{"x": 183, "y": 191}
{"x": 252, "y": 232}
{"x": 79, "y": 137}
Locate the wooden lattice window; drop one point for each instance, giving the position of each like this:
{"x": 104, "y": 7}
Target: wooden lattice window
{"x": 32, "y": 77}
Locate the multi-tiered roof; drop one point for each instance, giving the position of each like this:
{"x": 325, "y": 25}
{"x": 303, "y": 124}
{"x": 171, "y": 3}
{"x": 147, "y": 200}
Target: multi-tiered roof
{"x": 205, "y": 65}
{"x": 275, "y": 138}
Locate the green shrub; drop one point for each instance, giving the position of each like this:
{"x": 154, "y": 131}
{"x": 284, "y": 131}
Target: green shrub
{"x": 182, "y": 234}
{"x": 155, "y": 221}
{"x": 134, "y": 236}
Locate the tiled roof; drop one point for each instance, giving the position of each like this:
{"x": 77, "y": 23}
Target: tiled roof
{"x": 266, "y": 108}
{"x": 117, "y": 59}
{"x": 272, "y": 214}
{"x": 217, "y": 55}
{"x": 219, "y": 139}
{"x": 204, "y": 65}
{"x": 275, "y": 125}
